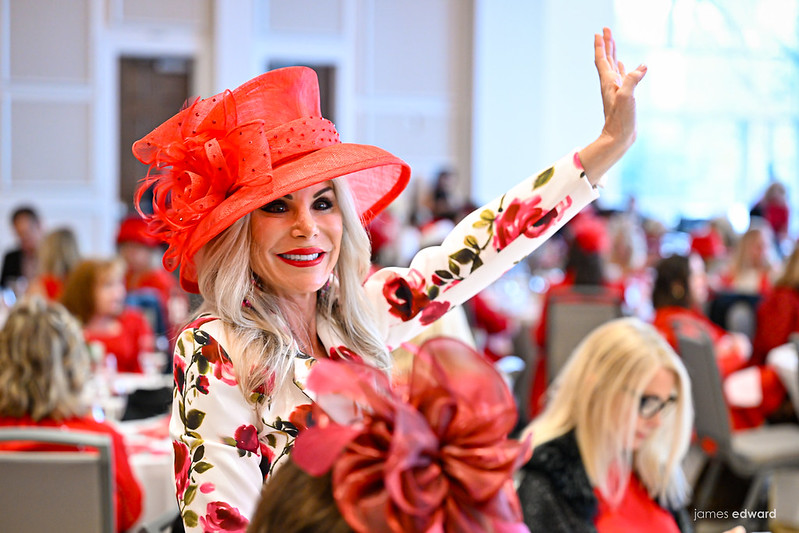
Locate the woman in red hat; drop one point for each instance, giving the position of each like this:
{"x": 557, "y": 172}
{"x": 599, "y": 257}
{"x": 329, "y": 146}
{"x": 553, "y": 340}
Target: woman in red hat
{"x": 262, "y": 208}
{"x": 138, "y": 248}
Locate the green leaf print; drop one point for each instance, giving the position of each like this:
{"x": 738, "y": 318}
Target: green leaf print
{"x": 203, "y": 366}
{"x": 190, "y": 518}
{"x": 191, "y": 492}
{"x": 199, "y": 453}
{"x": 544, "y": 177}
{"x": 202, "y": 467}
{"x": 194, "y": 418}
{"x": 463, "y": 256}
{"x": 471, "y": 241}
{"x": 443, "y": 274}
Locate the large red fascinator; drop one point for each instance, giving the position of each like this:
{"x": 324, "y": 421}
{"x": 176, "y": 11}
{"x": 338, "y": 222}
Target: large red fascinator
{"x": 227, "y": 155}
{"x": 429, "y": 455}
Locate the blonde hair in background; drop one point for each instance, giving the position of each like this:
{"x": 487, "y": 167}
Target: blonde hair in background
{"x": 44, "y": 362}
{"x": 790, "y": 272}
{"x": 260, "y": 335}
{"x": 59, "y": 253}
{"x": 598, "y": 393}
{"x": 741, "y": 260}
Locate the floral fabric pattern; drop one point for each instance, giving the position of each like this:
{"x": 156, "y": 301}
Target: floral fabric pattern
{"x": 222, "y": 459}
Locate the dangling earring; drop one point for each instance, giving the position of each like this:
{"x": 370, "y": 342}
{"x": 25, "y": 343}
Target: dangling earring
{"x": 324, "y": 293}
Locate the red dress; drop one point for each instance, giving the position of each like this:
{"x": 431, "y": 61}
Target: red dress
{"x": 127, "y": 493}
{"x": 777, "y": 318}
{"x": 132, "y": 337}
{"x": 636, "y": 512}
{"x": 729, "y": 361}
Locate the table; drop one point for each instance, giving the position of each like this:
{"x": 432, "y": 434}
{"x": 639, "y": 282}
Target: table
{"x": 150, "y": 456}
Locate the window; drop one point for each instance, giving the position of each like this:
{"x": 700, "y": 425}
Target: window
{"x": 719, "y": 110}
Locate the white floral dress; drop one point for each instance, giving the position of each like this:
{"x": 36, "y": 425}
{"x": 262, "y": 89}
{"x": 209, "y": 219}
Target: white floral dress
{"x": 222, "y": 461}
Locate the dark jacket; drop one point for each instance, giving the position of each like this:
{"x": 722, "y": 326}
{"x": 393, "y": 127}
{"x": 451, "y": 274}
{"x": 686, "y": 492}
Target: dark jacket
{"x": 556, "y": 495}
{"x": 12, "y": 267}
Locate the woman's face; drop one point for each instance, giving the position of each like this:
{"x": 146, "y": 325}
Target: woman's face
{"x": 109, "y": 294}
{"x": 756, "y": 248}
{"x": 657, "y": 396}
{"x": 697, "y": 280}
{"x": 296, "y": 240}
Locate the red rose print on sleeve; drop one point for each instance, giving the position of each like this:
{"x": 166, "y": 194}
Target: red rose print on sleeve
{"x": 247, "y": 438}
{"x": 406, "y": 296}
{"x": 220, "y": 516}
{"x": 526, "y": 218}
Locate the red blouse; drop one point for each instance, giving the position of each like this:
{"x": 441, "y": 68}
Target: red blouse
{"x": 777, "y": 318}
{"x": 636, "y": 512}
{"x": 132, "y": 337}
{"x": 127, "y": 493}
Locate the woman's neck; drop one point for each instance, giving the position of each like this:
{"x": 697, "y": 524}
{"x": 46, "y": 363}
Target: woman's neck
{"x": 102, "y": 323}
{"x": 301, "y": 317}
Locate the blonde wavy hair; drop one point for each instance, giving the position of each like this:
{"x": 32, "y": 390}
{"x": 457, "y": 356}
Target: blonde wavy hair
{"x": 597, "y": 394}
{"x": 790, "y": 271}
{"x": 59, "y": 253}
{"x": 259, "y": 334}
{"x": 44, "y": 362}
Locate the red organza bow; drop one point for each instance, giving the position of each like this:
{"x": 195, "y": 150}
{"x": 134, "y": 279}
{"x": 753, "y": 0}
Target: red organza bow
{"x": 195, "y": 166}
{"x": 429, "y": 455}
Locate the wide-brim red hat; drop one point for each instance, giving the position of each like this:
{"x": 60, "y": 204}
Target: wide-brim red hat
{"x": 223, "y": 157}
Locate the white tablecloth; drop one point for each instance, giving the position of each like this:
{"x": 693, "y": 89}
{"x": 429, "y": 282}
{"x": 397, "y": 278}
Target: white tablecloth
{"x": 150, "y": 456}
{"x": 785, "y": 361}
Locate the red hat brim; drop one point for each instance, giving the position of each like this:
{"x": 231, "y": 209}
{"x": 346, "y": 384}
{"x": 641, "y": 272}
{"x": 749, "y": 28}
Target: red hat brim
{"x": 375, "y": 177}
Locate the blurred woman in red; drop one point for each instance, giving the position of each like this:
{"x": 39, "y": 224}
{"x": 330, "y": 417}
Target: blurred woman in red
{"x": 678, "y": 296}
{"x": 778, "y": 312}
{"x": 144, "y": 273}
{"x": 44, "y": 365}
{"x": 752, "y": 265}
{"x": 95, "y": 294}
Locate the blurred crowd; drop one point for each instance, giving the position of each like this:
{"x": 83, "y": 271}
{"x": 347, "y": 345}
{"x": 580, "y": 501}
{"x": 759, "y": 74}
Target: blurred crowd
{"x": 739, "y": 289}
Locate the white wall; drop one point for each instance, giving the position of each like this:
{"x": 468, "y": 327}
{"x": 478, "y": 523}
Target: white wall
{"x": 536, "y": 91}
{"x": 494, "y": 88}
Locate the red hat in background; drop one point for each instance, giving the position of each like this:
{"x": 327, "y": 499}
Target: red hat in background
{"x": 134, "y": 229}
{"x": 223, "y": 157}
{"x": 708, "y": 244}
{"x": 590, "y": 233}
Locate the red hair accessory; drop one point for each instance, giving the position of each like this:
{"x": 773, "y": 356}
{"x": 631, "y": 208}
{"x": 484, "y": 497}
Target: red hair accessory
{"x": 430, "y": 455}
{"x": 227, "y": 155}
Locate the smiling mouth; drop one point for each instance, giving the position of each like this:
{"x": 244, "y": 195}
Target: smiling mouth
{"x": 298, "y": 257}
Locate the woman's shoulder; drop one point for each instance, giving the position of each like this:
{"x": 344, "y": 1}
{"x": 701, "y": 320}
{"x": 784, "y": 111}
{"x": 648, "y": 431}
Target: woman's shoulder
{"x": 558, "y": 461}
{"x": 558, "y": 454}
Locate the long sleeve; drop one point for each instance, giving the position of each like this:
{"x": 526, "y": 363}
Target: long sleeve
{"x": 218, "y": 453}
{"x": 480, "y": 249}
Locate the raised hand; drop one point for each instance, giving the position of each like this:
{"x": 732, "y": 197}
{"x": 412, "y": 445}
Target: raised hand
{"x": 618, "y": 100}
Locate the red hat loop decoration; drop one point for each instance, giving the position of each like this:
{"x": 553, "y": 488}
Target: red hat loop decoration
{"x": 223, "y": 157}
{"x": 432, "y": 454}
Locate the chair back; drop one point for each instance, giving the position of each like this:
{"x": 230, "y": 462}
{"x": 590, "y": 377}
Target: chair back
{"x": 734, "y": 311}
{"x": 571, "y": 315}
{"x": 64, "y": 491}
{"x": 712, "y": 422}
